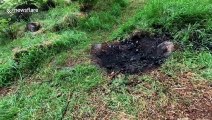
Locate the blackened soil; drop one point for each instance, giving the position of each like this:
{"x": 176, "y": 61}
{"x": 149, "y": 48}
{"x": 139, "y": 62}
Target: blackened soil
{"x": 135, "y": 54}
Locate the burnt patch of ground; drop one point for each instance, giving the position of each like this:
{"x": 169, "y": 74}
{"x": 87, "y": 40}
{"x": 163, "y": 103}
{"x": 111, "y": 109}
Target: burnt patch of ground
{"x": 138, "y": 53}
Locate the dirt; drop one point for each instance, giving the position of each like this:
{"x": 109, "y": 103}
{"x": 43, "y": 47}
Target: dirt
{"x": 72, "y": 62}
{"x": 138, "y": 53}
{"x": 102, "y": 111}
{"x": 187, "y": 98}
{"x": 4, "y": 91}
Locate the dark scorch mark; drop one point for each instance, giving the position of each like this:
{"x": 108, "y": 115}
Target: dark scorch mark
{"x": 136, "y": 54}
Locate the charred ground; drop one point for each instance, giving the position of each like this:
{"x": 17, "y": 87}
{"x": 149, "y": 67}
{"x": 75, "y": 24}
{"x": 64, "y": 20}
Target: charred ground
{"x": 138, "y": 53}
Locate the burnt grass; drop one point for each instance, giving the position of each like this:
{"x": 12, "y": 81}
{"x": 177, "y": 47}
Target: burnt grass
{"x": 133, "y": 55}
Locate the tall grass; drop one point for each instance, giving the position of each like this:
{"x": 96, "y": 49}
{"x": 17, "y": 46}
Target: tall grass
{"x": 186, "y": 20}
{"x": 104, "y": 15}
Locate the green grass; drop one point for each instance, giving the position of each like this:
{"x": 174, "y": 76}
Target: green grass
{"x": 62, "y": 17}
{"x": 173, "y": 16}
{"x": 50, "y": 95}
{"x": 29, "y": 58}
{"x": 53, "y": 76}
{"x": 198, "y": 62}
{"x": 31, "y": 49}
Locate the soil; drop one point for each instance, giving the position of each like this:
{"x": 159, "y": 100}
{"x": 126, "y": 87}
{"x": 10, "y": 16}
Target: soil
{"x": 138, "y": 53}
{"x": 185, "y": 98}
{"x": 192, "y": 98}
{"x": 4, "y": 91}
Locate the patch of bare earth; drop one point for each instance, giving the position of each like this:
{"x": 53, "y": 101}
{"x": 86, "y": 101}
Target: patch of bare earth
{"x": 136, "y": 54}
{"x": 186, "y": 98}
{"x": 72, "y": 62}
{"x": 102, "y": 112}
{"x": 4, "y": 91}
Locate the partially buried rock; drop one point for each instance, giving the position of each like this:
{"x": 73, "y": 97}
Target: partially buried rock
{"x": 33, "y": 26}
{"x": 136, "y": 54}
{"x": 165, "y": 49}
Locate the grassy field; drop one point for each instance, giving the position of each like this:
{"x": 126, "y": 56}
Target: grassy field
{"x": 49, "y": 74}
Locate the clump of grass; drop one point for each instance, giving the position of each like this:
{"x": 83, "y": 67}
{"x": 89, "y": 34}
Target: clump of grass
{"x": 28, "y": 103}
{"x": 8, "y": 112}
{"x": 10, "y": 32}
{"x": 62, "y": 17}
{"x": 104, "y": 16}
{"x": 8, "y": 72}
{"x": 67, "y": 22}
{"x": 30, "y": 59}
{"x": 3, "y": 25}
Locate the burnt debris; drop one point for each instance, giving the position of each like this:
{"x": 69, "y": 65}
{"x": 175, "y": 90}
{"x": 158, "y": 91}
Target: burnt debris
{"x": 136, "y": 54}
